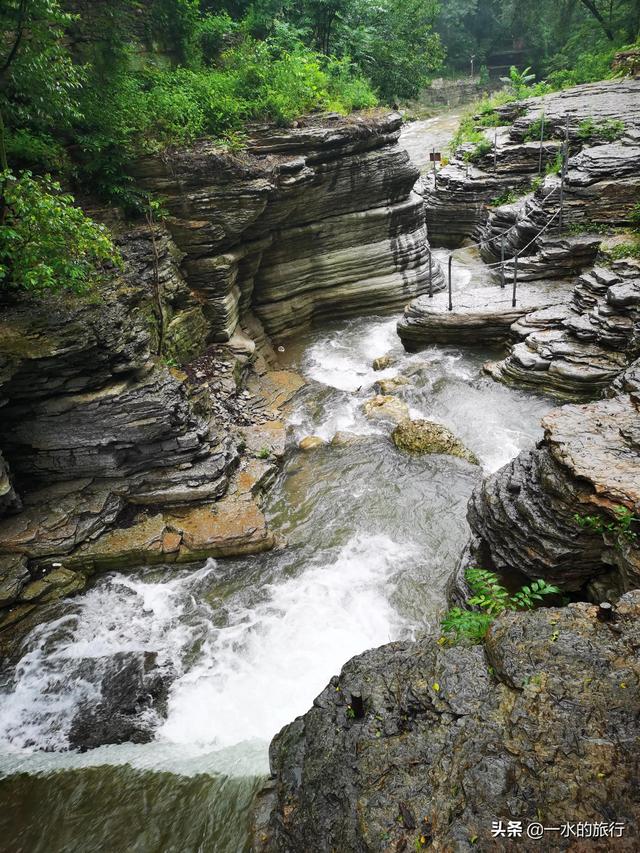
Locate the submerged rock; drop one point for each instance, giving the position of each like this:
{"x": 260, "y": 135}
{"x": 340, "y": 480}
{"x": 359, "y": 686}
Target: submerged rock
{"x": 385, "y": 407}
{"x": 383, "y": 362}
{"x": 389, "y": 386}
{"x": 429, "y": 437}
{"x": 416, "y": 745}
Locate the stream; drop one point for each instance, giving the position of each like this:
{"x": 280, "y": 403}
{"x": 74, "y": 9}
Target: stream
{"x": 371, "y": 536}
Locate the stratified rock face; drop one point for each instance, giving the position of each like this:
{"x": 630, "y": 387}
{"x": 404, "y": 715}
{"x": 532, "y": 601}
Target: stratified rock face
{"x": 477, "y": 316}
{"x": 419, "y": 746}
{"x": 603, "y": 180}
{"x": 316, "y": 221}
{"x": 119, "y": 460}
{"x": 575, "y": 350}
{"x": 523, "y": 516}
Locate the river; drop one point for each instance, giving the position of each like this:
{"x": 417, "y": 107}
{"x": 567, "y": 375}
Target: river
{"x": 371, "y": 536}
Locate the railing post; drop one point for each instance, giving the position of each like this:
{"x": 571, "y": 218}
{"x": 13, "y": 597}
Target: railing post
{"x": 502, "y": 281}
{"x": 495, "y": 152}
{"x": 515, "y": 280}
{"x": 435, "y": 171}
{"x": 541, "y": 144}
{"x": 450, "y": 298}
{"x": 563, "y": 173}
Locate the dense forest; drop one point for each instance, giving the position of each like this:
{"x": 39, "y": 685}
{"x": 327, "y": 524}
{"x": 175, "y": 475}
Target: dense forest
{"x": 85, "y": 87}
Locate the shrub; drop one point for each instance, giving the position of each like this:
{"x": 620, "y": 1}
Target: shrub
{"x": 608, "y": 130}
{"x": 46, "y": 242}
{"x": 492, "y": 599}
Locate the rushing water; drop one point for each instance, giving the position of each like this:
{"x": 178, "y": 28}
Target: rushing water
{"x": 371, "y": 536}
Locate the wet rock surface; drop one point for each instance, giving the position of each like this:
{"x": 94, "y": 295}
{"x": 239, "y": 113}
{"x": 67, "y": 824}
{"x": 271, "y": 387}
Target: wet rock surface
{"x": 577, "y": 350}
{"x": 118, "y": 459}
{"x": 311, "y": 222}
{"x": 420, "y": 436}
{"x": 478, "y": 316}
{"x": 418, "y": 745}
{"x": 523, "y": 517}
{"x": 133, "y": 700}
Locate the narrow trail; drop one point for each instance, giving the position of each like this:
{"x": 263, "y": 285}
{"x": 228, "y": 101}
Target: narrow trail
{"x": 372, "y": 535}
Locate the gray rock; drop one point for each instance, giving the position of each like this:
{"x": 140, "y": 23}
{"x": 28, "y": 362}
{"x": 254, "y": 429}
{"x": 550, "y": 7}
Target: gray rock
{"x": 417, "y": 745}
{"x": 134, "y": 694}
{"x": 523, "y": 516}
{"x": 315, "y": 221}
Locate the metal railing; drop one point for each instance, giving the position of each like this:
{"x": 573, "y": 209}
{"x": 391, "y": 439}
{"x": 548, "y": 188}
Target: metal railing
{"x": 519, "y": 252}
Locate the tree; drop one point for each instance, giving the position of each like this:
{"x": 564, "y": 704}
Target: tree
{"x": 46, "y": 242}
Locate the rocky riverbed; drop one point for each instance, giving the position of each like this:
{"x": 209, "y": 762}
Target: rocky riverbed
{"x": 141, "y": 432}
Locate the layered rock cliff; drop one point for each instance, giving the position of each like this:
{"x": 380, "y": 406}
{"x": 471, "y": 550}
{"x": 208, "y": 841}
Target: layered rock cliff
{"x": 140, "y": 424}
{"x": 530, "y": 515}
{"x": 319, "y": 221}
{"x": 602, "y": 182}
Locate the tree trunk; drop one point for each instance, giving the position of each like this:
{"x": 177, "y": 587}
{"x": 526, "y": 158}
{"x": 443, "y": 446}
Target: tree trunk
{"x": 591, "y": 6}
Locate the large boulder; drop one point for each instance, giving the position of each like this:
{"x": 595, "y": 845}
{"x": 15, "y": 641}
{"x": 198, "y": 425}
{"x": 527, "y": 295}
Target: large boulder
{"x": 386, "y": 407}
{"x": 419, "y": 745}
{"x": 533, "y": 515}
{"x": 133, "y": 700}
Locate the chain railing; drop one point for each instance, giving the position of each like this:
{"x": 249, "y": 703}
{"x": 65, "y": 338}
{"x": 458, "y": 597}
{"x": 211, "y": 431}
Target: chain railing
{"x": 559, "y": 214}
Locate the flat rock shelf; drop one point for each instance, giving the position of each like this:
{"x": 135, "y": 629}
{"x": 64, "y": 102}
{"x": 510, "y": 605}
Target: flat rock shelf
{"x": 479, "y": 315}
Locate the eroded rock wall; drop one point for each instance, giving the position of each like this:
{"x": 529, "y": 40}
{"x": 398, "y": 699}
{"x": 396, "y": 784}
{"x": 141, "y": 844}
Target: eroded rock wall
{"x": 523, "y": 517}
{"x": 311, "y": 222}
{"x": 603, "y": 179}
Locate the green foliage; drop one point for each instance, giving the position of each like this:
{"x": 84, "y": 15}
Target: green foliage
{"x": 519, "y": 81}
{"x": 608, "y": 130}
{"x": 555, "y": 166}
{"x": 491, "y": 118}
{"x": 46, "y": 242}
{"x": 481, "y": 149}
{"x": 535, "y": 131}
{"x": 621, "y": 528}
{"x": 35, "y": 150}
{"x": 506, "y": 197}
{"x": 39, "y": 82}
{"x": 621, "y": 251}
{"x": 634, "y": 216}
{"x": 492, "y": 599}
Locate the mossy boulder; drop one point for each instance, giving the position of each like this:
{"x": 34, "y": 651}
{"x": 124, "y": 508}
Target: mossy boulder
{"x": 428, "y": 437}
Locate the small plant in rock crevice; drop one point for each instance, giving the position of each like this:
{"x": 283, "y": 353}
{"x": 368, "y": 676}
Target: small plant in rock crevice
{"x": 607, "y": 131}
{"x": 621, "y": 529}
{"x": 492, "y": 599}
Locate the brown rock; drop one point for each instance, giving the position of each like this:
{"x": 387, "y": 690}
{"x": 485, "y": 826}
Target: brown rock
{"x": 386, "y": 408}
{"x": 428, "y": 437}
